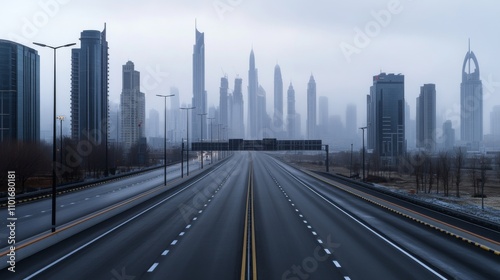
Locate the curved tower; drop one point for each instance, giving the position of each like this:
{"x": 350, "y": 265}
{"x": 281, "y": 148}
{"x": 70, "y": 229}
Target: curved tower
{"x": 471, "y": 103}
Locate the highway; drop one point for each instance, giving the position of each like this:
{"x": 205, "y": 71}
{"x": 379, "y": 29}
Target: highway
{"x": 253, "y": 217}
{"x": 35, "y": 217}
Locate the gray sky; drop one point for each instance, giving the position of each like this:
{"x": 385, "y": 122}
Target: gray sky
{"x": 424, "y": 40}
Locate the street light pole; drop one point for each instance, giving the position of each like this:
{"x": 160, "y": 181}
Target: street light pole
{"x": 54, "y": 136}
{"x": 363, "y": 129}
{"x": 211, "y": 137}
{"x": 165, "y": 137}
{"x": 187, "y": 138}
{"x": 201, "y": 137}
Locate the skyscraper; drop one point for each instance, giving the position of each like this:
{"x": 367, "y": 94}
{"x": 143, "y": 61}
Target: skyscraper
{"x": 426, "y": 118}
{"x": 253, "y": 84}
{"x": 471, "y": 103}
{"x": 238, "y": 129}
{"x": 19, "y": 92}
{"x": 291, "y": 114}
{"x": 89, "y": 87}
{"x": 153, "y": 124}
{"x": 311, "y": 109}
{"x": 263, "y": 119}
{"x": 386, "y": 117}
{"x": 278, "y": 101}
{"x": 133, "y": 106}
{"x": 224, "y": 87}
{"x": 199, "y": 93}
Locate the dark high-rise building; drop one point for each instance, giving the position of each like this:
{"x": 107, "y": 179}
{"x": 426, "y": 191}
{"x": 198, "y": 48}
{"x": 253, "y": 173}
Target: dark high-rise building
{"x": 19, "y": 92}
{"x": 426, "y": 118}
{"x": 291, "y": 114}
{"x": 89, "y": 87}
{"x": 278, "y": 101}
{"x": 253, "y": 85}
{"x": 386, "y": 117}
{"x": 199, "y": 93}
{"x": 471, "y": 103}
{"x": 311, "y": 109}
{"x": 133, "y": 107}
{"x": 238, "y": 128}
{"x": 224, "y": 88}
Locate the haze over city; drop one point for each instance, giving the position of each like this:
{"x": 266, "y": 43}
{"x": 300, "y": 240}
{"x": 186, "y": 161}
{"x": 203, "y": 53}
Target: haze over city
{"x": 424, "y": 40}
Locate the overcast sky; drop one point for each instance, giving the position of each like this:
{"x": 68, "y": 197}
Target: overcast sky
{"x": 343, "y": 43}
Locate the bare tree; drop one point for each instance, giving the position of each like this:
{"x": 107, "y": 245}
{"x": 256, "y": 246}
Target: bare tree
{"x": 473, "y": 175}
{"x": 458, "y": 161}
{"x": 484, "y": 164}
{"x": 445, "y": 167}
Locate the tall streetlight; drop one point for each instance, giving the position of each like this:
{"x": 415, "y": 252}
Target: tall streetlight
{"x": 187, "y": 136}
{"x": 54, "y": 136}
{"x": 201, "y": 137}
{"x": 165, "y": 137}
{"x": 363, "y": 129}
{"x": 61, "y": 119}
{"x": 211, "y": 137}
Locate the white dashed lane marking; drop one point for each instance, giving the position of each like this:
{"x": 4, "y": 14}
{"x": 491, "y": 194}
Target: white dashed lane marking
{"x": 153, "y": 267}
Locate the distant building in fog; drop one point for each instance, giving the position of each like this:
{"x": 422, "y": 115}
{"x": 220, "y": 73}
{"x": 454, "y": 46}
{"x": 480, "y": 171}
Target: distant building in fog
{"x": 278, "y": 101}
{"x": 291, "y": 116}
{"x": 351, "y": 123}
{"x": 447, "y": 140}
{"x": 495, "y": 121}
{"x": 323, "y": 128}
{"x": 311, "y": 109}
{"x": 238, "y": 129}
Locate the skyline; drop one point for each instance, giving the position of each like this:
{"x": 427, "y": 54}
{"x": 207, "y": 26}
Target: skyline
{"x": 309, "y": 41}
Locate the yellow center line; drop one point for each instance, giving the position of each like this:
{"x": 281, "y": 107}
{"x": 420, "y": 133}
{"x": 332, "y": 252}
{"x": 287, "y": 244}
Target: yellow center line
{"x": 245, "y": 237}
{"x": 254, "y": 253}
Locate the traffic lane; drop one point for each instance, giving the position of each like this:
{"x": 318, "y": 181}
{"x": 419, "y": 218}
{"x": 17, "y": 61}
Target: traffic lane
{"x": 36, "y": 217}
{"x": 449, "y": 255}
{"x": 471, "y": 227}
{"x": 212, "y": 247}
{"x": 131, "y": 247}
{"x": 285, "y": 242}
{"x": 361, "y": 253}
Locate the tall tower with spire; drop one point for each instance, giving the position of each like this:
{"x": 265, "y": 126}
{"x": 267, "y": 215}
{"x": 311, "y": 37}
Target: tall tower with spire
{"x": 278, "y": 101}
{"x": 199, "y": 92}
{"x": 253, "y": 85}
{"x": 471, "y": 103}
{"x": 311, "y": 109}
